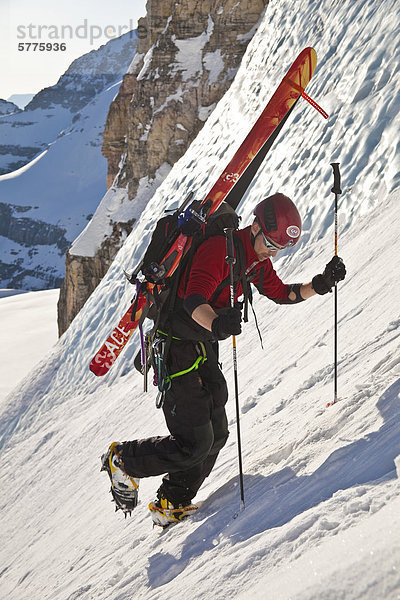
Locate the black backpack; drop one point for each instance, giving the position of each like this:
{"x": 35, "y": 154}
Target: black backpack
{"x": 163, "y": 297}
{"x": 164, "y": 306}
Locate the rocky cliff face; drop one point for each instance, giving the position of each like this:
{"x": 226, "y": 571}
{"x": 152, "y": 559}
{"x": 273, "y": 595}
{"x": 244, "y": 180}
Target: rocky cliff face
{"x": 84, "y": 272}
{"x": 187, "y": 55}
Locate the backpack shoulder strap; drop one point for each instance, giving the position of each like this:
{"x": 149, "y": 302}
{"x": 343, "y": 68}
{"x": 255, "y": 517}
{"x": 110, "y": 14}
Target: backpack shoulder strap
{"x": 238, "y": 274}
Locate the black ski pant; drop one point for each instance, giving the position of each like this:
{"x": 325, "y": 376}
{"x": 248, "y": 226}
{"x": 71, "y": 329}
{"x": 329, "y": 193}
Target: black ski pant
{"x": 194, "y": 410}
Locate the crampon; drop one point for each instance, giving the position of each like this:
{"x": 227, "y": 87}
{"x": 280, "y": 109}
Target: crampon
{"x": 124, "y": 488}
{"x": 164, "y": 514}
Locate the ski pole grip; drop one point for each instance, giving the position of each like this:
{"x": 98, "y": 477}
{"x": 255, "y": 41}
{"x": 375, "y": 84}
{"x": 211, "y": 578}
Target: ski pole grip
{"x": 230, "y": 254}
{"x": 336, "y": 178}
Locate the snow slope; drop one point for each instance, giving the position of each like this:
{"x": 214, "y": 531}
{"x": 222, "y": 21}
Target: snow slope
{"x": 36, "y": 314}
{"x": 321, "y": 484}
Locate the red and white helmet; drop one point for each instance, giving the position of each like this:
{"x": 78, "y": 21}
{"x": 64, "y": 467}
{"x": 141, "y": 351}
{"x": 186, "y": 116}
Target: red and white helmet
{"x": 279, "y": 219}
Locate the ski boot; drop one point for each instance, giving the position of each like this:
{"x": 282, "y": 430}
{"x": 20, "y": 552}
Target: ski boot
{"x": 124, "y": 488}
{"x": 164, "y": 513}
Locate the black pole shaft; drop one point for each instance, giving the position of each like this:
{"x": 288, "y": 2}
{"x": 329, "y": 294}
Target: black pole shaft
{"x": 230, "y": 259}
{"x": 335, "y": 376}
{"x": 336, "y": 190}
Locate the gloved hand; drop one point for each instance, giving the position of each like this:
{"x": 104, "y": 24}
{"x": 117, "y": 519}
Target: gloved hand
{"x": 227, "y": 323}
{"x": 334, "y": 271}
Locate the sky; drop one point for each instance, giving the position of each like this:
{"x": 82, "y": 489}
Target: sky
{"x": 82, "y": 26}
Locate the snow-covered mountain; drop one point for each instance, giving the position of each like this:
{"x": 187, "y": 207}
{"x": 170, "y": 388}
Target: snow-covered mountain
{"x": 52, "y": 109}
{"x": 45, "y": 203}
{"x": 322, "y": 515}
{"x": 21, "y": 100}
{"x": 8, "y": 108}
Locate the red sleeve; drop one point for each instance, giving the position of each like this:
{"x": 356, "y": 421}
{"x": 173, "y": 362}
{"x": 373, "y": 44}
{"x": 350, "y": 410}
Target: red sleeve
{"x": 269, "y": 284}
{"x": 208, "y": 268}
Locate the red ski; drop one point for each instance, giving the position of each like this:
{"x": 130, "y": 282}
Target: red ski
{"x": 246, "y": 160}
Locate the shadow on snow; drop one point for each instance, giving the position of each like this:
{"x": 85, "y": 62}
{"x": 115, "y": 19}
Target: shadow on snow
{"x": 275, "y": 500}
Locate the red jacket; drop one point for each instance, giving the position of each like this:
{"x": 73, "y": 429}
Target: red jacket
{"x": 209, "y": 269}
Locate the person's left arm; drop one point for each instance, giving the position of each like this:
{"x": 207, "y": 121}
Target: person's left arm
{"x": 270, "y": 285}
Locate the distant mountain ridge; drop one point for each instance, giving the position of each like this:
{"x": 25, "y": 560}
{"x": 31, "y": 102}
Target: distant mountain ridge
{"x": 87, "y": 76}
{"x": 27, "y": 133}
{"x": 7, "y": 107}
{"x": 21, "y": 100}
{"x": 52, "y": 169}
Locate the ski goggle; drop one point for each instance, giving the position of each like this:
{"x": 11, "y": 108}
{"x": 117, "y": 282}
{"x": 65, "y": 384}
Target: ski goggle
{"x": 268, "y": 244}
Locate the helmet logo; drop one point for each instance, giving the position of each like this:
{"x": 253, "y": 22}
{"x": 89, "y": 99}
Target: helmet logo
{"x": 293, "y": 231}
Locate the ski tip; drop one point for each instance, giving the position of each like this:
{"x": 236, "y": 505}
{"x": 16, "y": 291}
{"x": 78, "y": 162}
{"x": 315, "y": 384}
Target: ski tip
{"x": 310, "y": 53}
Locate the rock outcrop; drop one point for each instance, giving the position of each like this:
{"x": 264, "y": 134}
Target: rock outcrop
{"x": 187, "y": 56}
{"x": 83, "y": 272}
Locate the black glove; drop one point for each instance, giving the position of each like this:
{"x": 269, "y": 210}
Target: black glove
{"x": 227, "y": 323}
{"x": 334, "y": 271}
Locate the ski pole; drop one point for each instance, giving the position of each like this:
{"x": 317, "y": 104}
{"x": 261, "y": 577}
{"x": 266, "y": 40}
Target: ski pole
{"x": 335, "y": 190}
{"x": 231, "y": 260}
